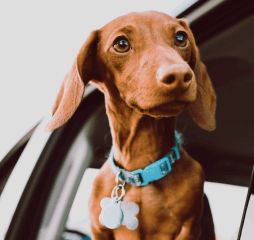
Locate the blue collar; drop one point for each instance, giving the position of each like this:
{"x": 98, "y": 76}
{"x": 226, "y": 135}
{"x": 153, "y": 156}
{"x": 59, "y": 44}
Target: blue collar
{"x": 152, "y": 172}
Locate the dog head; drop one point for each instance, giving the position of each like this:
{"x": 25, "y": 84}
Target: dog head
{"x": 148, "y": 61}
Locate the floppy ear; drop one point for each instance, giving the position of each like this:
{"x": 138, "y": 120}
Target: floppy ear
{"x": 202, "y": 110}
{"x": 73, "y": 86}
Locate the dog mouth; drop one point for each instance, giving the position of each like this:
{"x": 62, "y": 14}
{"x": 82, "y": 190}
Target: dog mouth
{"x": 176, "y": 105}
{"x": 164, "y": 110}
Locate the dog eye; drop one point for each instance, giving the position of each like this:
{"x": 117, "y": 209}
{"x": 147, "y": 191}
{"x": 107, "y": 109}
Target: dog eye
{"x": 121, "y": 44}
{"x": 181, "y": 39}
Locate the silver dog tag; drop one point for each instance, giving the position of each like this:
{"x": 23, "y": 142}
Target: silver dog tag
{"x": 115, "y": 212}
{"x": 111, "y": 215}
{"x": 130, "y": 210}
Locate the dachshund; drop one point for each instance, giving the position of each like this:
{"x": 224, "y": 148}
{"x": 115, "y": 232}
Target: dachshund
{"x": 149, "y": 69}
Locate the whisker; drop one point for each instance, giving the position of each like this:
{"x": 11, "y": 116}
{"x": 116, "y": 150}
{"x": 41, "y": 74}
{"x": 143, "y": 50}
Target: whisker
{"x": 133, "y": 97}
{"x": 134, "y": 90}
{"x": 137, "y": 94}
{"x": 199, "y": 94}
{"x": 201, "y": 87}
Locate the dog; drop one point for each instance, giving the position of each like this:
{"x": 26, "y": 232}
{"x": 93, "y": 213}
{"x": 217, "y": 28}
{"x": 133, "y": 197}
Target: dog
{"x": 149, "y": 69}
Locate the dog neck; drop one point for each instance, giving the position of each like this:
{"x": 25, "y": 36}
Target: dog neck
{"x": 138, "y": 139}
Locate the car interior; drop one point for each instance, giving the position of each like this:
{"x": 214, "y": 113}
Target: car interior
{"x": 59, "y": 187}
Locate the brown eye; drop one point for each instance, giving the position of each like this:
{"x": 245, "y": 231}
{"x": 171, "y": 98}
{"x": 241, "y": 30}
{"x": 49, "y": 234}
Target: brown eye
{"x": 181, "y": 39}
{"x": 121, "y": 44}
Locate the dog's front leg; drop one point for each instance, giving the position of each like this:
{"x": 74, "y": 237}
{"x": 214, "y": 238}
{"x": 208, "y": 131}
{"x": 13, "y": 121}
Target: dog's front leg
{"x": 98, "y": 234}
{"x": 190, "y": 231}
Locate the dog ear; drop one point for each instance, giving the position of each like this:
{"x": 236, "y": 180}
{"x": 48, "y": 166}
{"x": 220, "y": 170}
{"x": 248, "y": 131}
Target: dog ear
{"x": 202, "y": 110}
{"x": 73, "y": 86}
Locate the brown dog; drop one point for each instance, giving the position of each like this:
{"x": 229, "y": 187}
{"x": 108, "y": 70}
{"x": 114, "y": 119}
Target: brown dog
{"x": 149, "y": 69}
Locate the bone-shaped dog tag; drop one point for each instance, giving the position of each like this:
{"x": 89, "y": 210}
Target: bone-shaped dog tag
{"x": 130, "y": 211}
{"x": 111, "y": 215}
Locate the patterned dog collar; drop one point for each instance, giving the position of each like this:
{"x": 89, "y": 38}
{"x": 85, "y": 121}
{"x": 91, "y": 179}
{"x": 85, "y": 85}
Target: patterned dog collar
{"x": 152, "y": 172}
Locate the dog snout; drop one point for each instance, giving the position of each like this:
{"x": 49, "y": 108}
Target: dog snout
{"x": 176, "y": 76}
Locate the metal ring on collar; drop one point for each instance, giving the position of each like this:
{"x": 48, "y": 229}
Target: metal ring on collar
{"x": 118, "y": 178}
{"x": 115, "y": 191}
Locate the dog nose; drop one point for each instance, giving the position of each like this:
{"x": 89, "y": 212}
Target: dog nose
{"x": 176, "y": 76}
